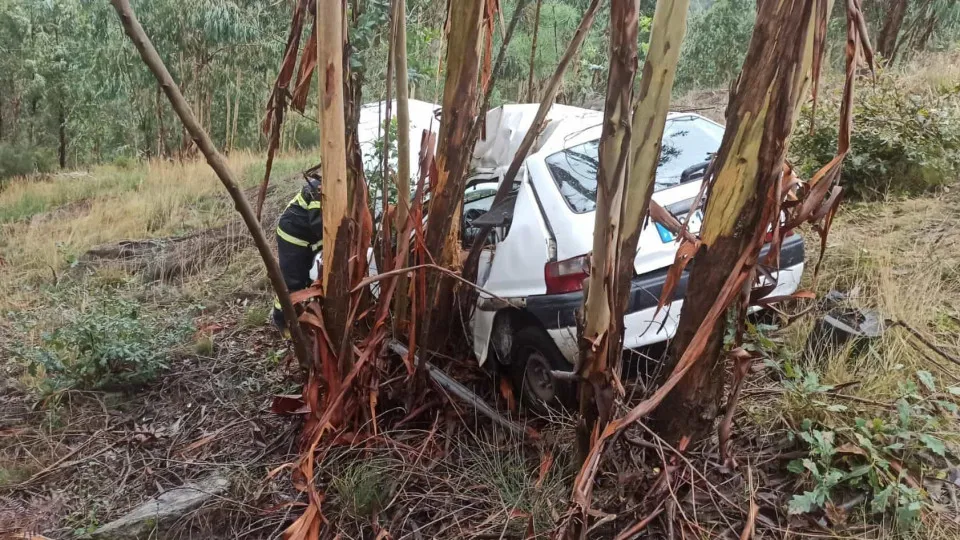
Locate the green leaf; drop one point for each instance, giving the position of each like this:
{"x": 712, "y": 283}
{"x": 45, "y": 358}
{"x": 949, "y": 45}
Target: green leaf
{"x": 907, "y": 514}
{"x": 904, "y": 411}
{"x": 880, "y": 498}
{"x": 955, "y": 390}
{"x": 927, "y": 379}
{"x": 933, "y": 444}
{"x": 802, "y": 504}
{"x": 810, "y": 466}
{"x": 857, "y": 472}
{"x": 796, "y": 466}
{"x": 947, "y": 406}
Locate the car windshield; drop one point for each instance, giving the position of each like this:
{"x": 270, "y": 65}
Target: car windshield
{"x": 687, "y": 141}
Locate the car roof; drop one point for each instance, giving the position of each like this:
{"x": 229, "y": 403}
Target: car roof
{"x": 507, "y": 125}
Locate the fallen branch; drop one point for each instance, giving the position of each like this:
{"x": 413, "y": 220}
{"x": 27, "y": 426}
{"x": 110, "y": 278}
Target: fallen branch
{"x": 916, "y": 333}
{"x": 465, "y": 394}
{"x": 219, "y": 165}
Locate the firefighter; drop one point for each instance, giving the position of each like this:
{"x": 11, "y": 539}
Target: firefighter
{"x": 299, "y": 239}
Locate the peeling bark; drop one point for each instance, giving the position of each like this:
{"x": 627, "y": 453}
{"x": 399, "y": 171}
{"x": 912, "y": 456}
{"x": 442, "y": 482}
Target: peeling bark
{"x": 333, "y": 155}
{"x": 745, "y": 178}
{"x": 596, "y": 386}
{"x": 649, "y": 120}
{"x": 459, "y": 113}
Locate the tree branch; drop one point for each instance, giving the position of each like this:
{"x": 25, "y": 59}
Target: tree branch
{"x": 219, "y": 165}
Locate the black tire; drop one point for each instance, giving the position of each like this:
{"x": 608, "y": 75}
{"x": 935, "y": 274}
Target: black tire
{"x": 532, "y": 357}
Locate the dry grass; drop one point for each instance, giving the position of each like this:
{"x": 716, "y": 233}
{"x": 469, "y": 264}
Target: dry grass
{"x": 930, "y": 71}
{"x": 48, "y": 224}
{"x": 903, "y": 259}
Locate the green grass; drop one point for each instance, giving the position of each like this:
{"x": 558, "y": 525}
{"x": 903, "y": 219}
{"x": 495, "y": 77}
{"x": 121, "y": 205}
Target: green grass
{"x": 11, "y": 474}
{"x": 28, "y": 197}
{"x": 365, "y": 487}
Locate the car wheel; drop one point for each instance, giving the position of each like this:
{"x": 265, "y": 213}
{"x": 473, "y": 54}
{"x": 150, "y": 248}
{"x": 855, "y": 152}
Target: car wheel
{"x": 532, "y": 357}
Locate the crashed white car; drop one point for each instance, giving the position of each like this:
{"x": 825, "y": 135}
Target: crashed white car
{"x": 543, "y": 233}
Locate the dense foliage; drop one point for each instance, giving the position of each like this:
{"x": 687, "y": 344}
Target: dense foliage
{"x": 906, "y": 141}
{"x": 73, "y": 86}
{"x": 73, "y": 91}
{"x": 716, "y": 44}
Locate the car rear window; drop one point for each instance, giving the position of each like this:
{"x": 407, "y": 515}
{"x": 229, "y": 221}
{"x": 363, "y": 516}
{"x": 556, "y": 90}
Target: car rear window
{"x": 687, "y": 141}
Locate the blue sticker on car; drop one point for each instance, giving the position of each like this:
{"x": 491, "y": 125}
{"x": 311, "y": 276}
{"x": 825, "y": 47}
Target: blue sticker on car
{"x": 666, "y": 236}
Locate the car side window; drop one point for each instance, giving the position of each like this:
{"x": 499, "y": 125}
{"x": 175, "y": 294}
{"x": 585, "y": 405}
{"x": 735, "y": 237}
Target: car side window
{"x": 477, "y": 200}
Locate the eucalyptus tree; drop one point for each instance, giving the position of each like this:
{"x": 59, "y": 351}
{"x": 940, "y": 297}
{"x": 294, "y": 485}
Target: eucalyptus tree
{"x": 72, "y": 84}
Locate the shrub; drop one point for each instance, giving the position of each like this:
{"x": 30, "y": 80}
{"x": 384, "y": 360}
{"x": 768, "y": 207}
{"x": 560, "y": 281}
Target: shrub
{"x": 112, "y": 345}
{"x": 19, "y": 160}
{"x": 904, "y": 141}
{"x": 124, "y": 162}
{"x": 872, "y": 457}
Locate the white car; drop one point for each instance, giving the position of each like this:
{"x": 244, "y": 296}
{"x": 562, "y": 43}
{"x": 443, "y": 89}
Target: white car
{"x": 539, "y": 259}
{"x": 544, "y": 232}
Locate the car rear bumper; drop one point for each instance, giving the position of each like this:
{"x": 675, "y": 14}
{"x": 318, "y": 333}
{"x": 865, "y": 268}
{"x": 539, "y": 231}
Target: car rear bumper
{"x": 557, "y": 312}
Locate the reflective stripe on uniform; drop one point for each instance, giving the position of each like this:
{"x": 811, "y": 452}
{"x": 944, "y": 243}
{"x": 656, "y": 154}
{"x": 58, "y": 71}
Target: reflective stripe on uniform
{"x": 302, "y": 203}
{"x": 291, "y": 239}
{"x": 317, "y": 246}
{"x": 276, "y": 303}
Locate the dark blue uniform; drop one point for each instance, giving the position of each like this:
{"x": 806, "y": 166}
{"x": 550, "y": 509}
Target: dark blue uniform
{"x": 299, "y": 238}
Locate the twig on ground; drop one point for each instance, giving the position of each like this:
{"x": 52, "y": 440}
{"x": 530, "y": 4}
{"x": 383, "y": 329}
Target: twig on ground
{"x": 920, "y": 337}
{"x": 640, "y": 525}
{"x": 754, "y": 509}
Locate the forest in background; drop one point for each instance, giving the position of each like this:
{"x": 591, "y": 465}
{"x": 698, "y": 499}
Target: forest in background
{"x": 72, "y": 93}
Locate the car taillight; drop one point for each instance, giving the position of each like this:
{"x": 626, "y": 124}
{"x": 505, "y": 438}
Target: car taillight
{"x": 566, "y": 276}
{"x": 769, "y": 237}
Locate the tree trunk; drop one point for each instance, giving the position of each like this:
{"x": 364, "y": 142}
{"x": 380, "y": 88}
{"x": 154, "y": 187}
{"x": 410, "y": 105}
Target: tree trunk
{"x": 533, "y": 51}
{"x": 459, "y": 113}
{"x": 745, "y": 182}
{"x": 159, "y": 109}
{"x": 403, "y": 149}
{"x": 596, "y": 377}
{"x": 62, "y": 132}
{"x": 892, "y": 22}
{"x": 337, "y": 229}
{"x": 649, "y": 119}
{"x": 226, "y": 123}
{"x": 236, "y": 114}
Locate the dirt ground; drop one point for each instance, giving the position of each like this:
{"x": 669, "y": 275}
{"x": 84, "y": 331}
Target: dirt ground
{"x": 72, "y": 460}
